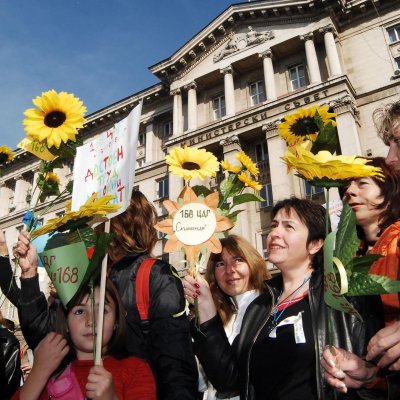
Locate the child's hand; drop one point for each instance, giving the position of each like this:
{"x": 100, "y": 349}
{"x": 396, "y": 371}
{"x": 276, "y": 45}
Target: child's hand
{"x": 50, "y": 352}
{"x": 27, "y": 255}
{"x": 100, "y": 384}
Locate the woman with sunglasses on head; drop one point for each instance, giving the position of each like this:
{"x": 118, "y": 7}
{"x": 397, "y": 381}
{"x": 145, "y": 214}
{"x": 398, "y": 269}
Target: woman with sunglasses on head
{"x": 283, "y": 333}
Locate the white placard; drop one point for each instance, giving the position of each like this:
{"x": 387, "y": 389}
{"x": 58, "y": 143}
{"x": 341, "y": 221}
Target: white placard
{"x": 194, "y": 224}
{"x": 107, "y": 164}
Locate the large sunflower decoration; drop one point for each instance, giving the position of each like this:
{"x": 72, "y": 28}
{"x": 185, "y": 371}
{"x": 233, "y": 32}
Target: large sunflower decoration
{"x": 52, "y": 135}
{"x": 312, "y": 138}
{"x": 189, "y": 163}
{"x": 56, "y": 118}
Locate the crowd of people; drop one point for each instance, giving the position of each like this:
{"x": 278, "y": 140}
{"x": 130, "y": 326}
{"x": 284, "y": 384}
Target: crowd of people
{"x": 254, "y": 336}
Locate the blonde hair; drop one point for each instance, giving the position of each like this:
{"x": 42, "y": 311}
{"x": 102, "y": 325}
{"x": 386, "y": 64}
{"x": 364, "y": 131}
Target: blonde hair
{"x": 240, "y": 247}
{"x": 385, "y": 119}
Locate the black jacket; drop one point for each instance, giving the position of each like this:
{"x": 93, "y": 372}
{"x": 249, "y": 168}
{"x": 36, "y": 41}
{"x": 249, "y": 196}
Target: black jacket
{"x": 10, "y": 363}
{"x": 227, "y": 366}
{"x": 167, "y": 346}
{"x": 8, "y": 285}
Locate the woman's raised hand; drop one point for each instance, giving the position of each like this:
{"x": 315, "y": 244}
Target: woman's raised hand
{"x": 198, "y": 288}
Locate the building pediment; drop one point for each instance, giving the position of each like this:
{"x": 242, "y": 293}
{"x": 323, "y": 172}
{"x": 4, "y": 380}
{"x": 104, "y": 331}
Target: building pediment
{"x": 223, "y": 28}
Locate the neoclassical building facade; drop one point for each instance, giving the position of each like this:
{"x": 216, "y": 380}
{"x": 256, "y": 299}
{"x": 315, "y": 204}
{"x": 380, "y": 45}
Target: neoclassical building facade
{"x": 228, "y": 87}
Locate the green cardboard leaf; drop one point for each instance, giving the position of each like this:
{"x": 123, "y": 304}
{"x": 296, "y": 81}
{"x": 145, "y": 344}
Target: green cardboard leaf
{"x": 226, "y": 186}
{"x": 66, "y": 267}
{"x": 201, "y": 190}
{"x": 367, "y": 284}
{"x": 326, "y": 140}
{"x": 332, "y": 295}
{"x": 363, "y": 263}
{"x": 347, "y": 242}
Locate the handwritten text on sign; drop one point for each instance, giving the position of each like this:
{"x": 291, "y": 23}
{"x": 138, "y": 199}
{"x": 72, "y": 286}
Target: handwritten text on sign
{"x": 66, "y": 267}
{"x": 194, "y": 224}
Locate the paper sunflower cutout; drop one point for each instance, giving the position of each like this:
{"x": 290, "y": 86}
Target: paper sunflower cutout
{"x": 325, "y": 169}
{"x": 56, "y": 118}
{"x": 302, "y": 126}
{"x": 191, "y": 162}
{"x": 93, "y": 207}
{"x": 193, "y": 223}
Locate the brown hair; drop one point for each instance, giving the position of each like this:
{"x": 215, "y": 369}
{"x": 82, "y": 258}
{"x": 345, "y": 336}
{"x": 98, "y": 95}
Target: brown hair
{"x": 236, "y": 246}
{"x": 117, "y": 342}
{"x": 134, "y": 228}
{"x": 390, "y": 191}
{"x": 385, "y": 119}
{"x": 313, "y": 216}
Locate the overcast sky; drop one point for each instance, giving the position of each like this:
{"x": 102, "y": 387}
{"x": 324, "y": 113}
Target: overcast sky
{"x": 99, "y": 50}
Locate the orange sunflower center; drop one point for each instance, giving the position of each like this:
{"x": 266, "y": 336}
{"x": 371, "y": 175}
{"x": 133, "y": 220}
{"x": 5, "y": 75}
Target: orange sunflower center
{"x": 190, "y": 166}
{"x": 54, "y": 119}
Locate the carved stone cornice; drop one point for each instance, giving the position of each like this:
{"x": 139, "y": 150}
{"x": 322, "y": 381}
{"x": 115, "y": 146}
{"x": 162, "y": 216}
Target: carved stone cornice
{"x": 265, "y": 54}
{"x": 307, "y": 36}
{"x": 226, "y": 70}
{"x": 191, "y": 85}
{"x": 234, "y": 139}
{"x": 328, "y": 28}
{"x": 175, "y": 92}
{"x": 271, "y": 128}
{"x": 343, "y": 104}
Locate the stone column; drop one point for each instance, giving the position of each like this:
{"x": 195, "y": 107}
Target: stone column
{"x": 35, "y": 192}
{"x": 177, "y": 113}
{"x": 229, "y": 90}
{"x": 347, "y": 121}
{"x": 21, "y": 188}
{"x": 231, "y": 147}
{"x": 269, "y": 77}
{"x": 5, "y": 193}
{"x": 281, "y": 182}
{"x": 312, "y": 60}
{"x": 331, "y": 50}
{"x": 192, "y": 106}
{"x": 150, "y": 142}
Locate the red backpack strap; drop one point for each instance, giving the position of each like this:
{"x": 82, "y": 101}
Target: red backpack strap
{"x": 143, "y": 288}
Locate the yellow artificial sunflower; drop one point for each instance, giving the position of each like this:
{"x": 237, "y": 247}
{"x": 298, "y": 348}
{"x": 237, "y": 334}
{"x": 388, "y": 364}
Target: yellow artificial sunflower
{"x": 301, "y": 125}
{"x": 192, "y": 251}
{"x": 56, "y": 118}
{"x": 325, "y": 169}
{"x": 93, "y": 207}
{"x": 6, "y": 155}
{"x": 191, "y": 162}
{"x": 247, "y": 163}
{"x": 248, "y": 181}
{"x": 52, "y": 177}
{"x": 228, "y": 167}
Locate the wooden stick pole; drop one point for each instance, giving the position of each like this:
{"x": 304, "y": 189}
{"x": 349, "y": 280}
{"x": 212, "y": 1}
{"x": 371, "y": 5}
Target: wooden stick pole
{"x": 100, "y": 318}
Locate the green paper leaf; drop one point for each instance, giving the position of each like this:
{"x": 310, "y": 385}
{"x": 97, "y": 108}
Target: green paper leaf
{"x": 69, "y": 186}
{"x": 326, "y": 140}
{"x": 245, "y": 197}
{"x": 347, "y": 242}
{"x": 226, "y": 185}
{"x": 363, "y": 263}
{"x": 362, "y": 284}
{"x": 201, "y": 190}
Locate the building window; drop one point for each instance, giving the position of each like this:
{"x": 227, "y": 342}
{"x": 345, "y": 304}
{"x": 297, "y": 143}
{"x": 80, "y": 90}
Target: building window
{"x": 261, "y": 151}
{"x": 257, "y": 93}
{"x": 163, "y": 188}
{"x": 297, "y": 76}
{"x": 394, "y": 34}
{"x": 142, "y": 139}
{"x": 397, "y": 62}
{"x": 219, "y": 107}
{"x": 266, "y": 194}
{"x": 60, "y": 214}
{"x": 139, "y": 162}
{"x": 311, "y": 191}
{"x": 264, "y": 245}
{"x": 167, "y": 129}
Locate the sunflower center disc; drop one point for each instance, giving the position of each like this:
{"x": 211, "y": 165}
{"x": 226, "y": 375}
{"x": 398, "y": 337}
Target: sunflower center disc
{"x": 54, "y": 119}
{"x": 305, "y": 126}
{"x": 190, "y": 166}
